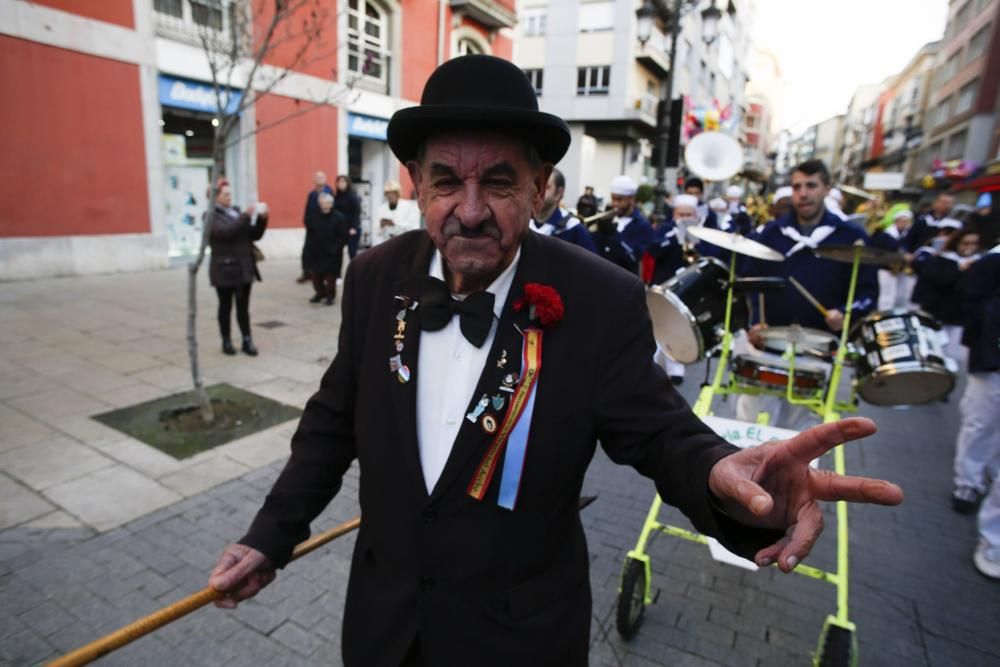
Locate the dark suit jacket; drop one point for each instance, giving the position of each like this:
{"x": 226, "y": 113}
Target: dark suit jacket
{"x": 480, "y": 584}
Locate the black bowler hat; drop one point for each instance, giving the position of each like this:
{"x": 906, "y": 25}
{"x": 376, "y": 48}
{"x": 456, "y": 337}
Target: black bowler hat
{"x": 483, "y": 93}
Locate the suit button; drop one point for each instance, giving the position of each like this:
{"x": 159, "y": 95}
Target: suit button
{"x": 427, "y": 583}
{"x": 430, "y": 516}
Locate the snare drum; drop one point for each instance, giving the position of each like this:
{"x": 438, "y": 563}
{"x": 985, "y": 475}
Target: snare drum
{"x": 900, "y": 360}
{"x": 689, "y": 310}
{"x": 770, "y": 371}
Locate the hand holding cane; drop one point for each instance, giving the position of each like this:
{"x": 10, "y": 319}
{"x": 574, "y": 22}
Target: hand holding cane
{"x": 96, "y": 649}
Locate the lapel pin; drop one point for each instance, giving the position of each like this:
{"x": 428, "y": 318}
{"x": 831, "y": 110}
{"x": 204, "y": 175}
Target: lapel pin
{"x": 490, "y": 424}
{"x": 403, "y": 374}
{"x": 502, "y": 361}
{"x": 480, "y": 407}
{"x": 395, "y": 363}
{"x": 498, "y": 402}
{"x": 508, "y": 383}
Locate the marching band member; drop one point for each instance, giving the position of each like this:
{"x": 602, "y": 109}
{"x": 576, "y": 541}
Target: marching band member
{"x": 557, "y": 221}
{"x": 795, "y": 235}
{"x": 737, "y": 211}
{"x": 942, "y": 277}
{"x": 977, "y": 450}
{"x": 667, "y": 253}
{"x": 895, "y": 287}
{"x": 623, "y": 239}
{"x": 695, "y": 186}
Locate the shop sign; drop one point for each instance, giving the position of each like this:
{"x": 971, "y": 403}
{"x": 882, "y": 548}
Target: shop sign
{"x": 367, "y": 127}
{"x": 195, "y": 96}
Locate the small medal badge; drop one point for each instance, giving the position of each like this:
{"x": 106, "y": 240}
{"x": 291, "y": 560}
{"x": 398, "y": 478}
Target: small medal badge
{"x": 401, "y": 315}
{"x": 508, "y": 383}
{"x": 489, "y": 424}
{"x": 498, "y": 402}
{"x": 403, "y": 374}
{"x": 405, "y": 302}
{"x": 478, "y": 410}
{"x": 400, "y": 330}
{"x": 502, "y": 361}
{"x": 395, "y": 363}
{"x": 399, "y": 346}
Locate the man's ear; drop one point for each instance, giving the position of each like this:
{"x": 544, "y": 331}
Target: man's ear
{"x": 541, "y": 181}
{"x": 416, "y": 177}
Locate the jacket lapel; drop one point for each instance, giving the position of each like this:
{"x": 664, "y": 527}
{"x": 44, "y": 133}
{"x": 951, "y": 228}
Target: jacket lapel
{"x": 472, "y": 440}
{"x": 404, "y": 394}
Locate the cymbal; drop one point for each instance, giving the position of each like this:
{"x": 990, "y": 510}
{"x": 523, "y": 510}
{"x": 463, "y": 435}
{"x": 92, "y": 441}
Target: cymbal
{"x": 801, "y": 337}
{"x": 738, "y": 244}
{"x": 866, "y": 254}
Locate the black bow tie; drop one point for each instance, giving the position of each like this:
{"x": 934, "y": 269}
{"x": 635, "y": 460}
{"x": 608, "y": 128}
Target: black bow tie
{"x": 475, "y": 312}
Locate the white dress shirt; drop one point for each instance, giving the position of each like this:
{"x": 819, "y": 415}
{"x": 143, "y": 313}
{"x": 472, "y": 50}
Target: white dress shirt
{"x": 448, "y": 370}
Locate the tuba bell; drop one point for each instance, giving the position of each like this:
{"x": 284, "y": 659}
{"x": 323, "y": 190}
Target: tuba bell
{"x": 714, "y": 156}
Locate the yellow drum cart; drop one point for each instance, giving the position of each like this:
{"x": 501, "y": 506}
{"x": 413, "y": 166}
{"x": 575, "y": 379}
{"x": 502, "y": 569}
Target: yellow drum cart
{"x": 837, "y": 644}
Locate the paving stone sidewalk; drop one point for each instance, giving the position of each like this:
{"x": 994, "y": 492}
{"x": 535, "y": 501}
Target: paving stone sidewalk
{"x": 72, "y": 568}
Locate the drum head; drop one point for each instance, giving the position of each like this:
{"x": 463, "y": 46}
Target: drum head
{"x": 674, "y": 327}
{"x": 906, "y": 387}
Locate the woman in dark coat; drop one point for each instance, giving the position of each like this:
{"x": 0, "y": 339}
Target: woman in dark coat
{"x": 233, "y": 267}
{"x": 348, "y": 203}
{"x": 326, "y": 235}
{"x": 941, "y": 279}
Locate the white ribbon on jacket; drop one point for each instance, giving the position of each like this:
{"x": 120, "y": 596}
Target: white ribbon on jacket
{"x": 812, "y": 241}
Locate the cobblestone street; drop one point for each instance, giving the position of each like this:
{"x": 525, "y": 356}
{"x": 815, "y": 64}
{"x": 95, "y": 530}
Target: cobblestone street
{"x": 98, "y": 529}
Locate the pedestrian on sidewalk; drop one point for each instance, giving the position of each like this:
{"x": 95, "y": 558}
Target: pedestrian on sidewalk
{"x": 347, "y": 201}
{"x": 233, "y": 266}
{"x": 326, "y": 236}
{"x": 312, "y": 207}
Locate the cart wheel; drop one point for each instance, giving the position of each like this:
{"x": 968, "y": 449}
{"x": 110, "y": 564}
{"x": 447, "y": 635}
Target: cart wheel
{"x": 838, "y": 648}
{"x": 632, "y": 599}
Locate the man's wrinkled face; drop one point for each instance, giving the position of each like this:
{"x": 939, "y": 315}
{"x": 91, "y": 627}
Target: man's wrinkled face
{"x": 808, "y": 192}
{"x": 477, "y": 192}
{"x": 685, "y": 215}
{"x": 623, "y": 204}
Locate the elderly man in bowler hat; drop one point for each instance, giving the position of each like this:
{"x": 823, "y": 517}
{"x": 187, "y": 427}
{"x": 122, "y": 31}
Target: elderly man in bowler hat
{"x": 439, "y": 374}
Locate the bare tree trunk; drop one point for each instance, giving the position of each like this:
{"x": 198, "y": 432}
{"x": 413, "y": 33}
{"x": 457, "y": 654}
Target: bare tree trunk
{"x": 204, "y": 403}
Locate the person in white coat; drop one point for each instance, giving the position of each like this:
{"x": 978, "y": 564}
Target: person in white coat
{"x": 394, "y": 216}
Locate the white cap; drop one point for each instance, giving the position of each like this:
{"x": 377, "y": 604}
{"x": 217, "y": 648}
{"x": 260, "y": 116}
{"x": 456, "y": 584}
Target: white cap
{"x": 902, "y": 213}
{"x": 718, "y": 204}
{"x": 783, "y": 192}
{"x": 734, "y": 191}
{"x": 623, "y": 185}
{"x": 836, "y": 195}
{"x": 685, "y": 200}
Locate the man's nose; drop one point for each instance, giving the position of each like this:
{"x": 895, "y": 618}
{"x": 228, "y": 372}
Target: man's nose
{"x": 472, "y": 210}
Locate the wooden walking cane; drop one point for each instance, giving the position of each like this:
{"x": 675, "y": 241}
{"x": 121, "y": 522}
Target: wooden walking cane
{"x": 147, "y": 624}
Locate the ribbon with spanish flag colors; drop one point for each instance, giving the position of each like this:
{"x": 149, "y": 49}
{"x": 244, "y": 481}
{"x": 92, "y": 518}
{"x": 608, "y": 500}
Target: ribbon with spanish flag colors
{"x": 513, "y": 432}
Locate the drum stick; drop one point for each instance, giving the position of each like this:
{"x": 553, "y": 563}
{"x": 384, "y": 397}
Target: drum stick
{"x": 760, "y": 303}
{"x": 147, "y": 624}
{"x": 809, "y": 297}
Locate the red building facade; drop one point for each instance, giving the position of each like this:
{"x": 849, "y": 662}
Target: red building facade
{"x": 109, "y": 110}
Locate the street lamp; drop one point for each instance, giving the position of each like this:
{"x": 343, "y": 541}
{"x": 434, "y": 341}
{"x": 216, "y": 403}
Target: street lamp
{"x": 670, "y": 13}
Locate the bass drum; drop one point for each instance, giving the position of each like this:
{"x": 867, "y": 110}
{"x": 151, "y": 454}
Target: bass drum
{"x": 900, "y": 359}
{"x": 689, "y": 310}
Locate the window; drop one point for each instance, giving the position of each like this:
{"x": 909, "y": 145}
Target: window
{"x": 169, "y": 7}
{"x": 948, "y": 69}
{"x": 956, "y": 146}
{"x": 533, "y": 22}
{"x": 981, "y": 5}
{"x": 966, "y": 97}
{"x": 467, "y": 46}
{"x": 978, "y": 44}
{"x": 535, "y": 77}
{"x": 593, "y": 80}
{"x": 207, "y": 13}
{"x": 366, "y": 39}
{"x": 596, "y": 16}
{"x": 962, "y": 16}
{"x": 941, "y": 112}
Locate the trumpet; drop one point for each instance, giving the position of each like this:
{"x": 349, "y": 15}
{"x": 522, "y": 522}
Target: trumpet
{"x": 590, "y": 222}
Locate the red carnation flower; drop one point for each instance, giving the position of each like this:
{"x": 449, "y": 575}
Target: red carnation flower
{"x": 546, "y": 304}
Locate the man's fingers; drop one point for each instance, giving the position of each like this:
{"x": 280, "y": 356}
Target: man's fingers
{"x": 235, "y": 564}
{"x": 805, "y": 531}
{"x": 818, "y": 440}
{"x": 750, "y": 495}
{"x": 828, "y": 485}
{"x": 768, "y": 555}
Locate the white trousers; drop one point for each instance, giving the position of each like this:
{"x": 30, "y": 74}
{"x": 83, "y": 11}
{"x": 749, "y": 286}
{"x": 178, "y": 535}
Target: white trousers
{"x": 894, "y": 290}
{"x": 989, "y": 516}
{"x": 977, "y": 449}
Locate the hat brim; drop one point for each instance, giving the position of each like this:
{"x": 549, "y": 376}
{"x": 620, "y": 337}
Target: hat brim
{"x": 409, "y": 128}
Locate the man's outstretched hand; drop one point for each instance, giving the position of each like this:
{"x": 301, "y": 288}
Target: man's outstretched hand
{"x": 240, "y": 573}
{"x": 772, "y": 486}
